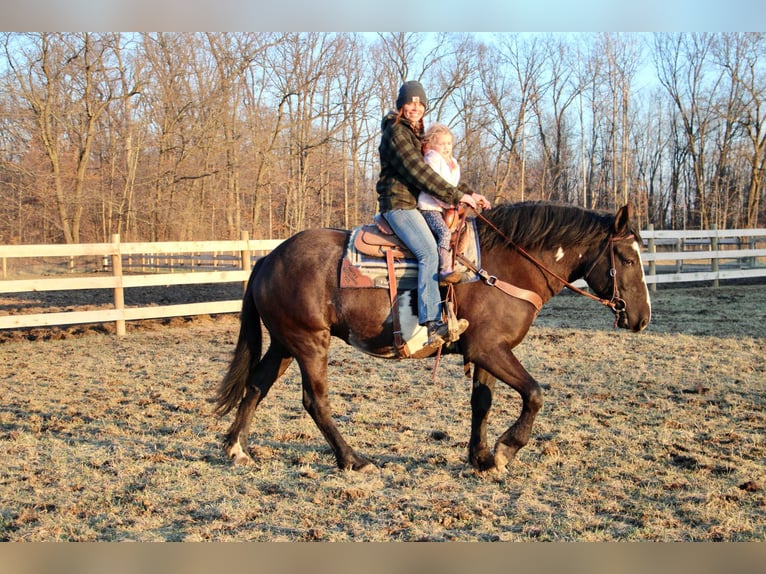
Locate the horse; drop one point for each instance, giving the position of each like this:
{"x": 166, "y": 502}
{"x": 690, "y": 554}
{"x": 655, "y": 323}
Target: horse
{"x": 540, "y": 247}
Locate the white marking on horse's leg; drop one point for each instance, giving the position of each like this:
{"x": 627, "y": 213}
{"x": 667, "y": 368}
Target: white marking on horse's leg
{"x": 559, "y": 254}
{"x": 501, "y": 461}
{"x": 237, "y": 455}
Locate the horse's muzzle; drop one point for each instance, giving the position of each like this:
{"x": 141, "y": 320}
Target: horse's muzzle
{"x": 623, "y": 321}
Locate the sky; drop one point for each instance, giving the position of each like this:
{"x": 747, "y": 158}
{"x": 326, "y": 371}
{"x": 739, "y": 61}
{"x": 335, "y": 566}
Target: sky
{"x": 390, "y": 15}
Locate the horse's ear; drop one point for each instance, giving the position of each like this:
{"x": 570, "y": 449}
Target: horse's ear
{"x": 622, "y": 220}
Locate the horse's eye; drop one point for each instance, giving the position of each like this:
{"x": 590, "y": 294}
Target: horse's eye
{"x": 627, "y": 262}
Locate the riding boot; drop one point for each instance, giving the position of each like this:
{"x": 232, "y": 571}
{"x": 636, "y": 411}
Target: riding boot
{"x": 439, "y": 332}
{"x": 446, "y": 273}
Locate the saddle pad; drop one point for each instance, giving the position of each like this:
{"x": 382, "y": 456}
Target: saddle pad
{"x": 360, "y": 270}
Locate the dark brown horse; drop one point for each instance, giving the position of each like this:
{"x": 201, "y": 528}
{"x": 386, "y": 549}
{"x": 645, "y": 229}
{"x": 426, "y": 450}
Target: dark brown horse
{"x": 295, "y": 292}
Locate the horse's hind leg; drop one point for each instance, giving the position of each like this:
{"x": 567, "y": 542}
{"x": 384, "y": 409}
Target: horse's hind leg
{"x": 313, "y": 365}
{"x": 260, "y": 379}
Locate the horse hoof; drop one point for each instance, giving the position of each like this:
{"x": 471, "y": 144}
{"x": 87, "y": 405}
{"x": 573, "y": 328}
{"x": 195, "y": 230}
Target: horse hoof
{"x": 238, "y": 456}
{"x": 368, "y": 468}
{"x": 483, "y": 460}
{"x": 360, "y": 465}
{"x": 501, "y": 461}
{"x": 242, "y": 460}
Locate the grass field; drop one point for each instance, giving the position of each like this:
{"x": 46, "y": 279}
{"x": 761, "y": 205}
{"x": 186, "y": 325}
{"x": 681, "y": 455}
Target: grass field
{"x": 653, "y": 436}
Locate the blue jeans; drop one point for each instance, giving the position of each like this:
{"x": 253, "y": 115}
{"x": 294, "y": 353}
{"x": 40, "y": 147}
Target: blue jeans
{"x": 411, "y": 227}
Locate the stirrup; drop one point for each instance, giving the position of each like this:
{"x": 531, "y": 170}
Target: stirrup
{"x": 457, "y": 329}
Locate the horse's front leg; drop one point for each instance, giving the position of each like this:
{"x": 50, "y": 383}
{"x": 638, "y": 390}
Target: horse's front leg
{"x": 481, "y": 401}
{"x": 505, "y": 367}
{"x": 517, "y": 435}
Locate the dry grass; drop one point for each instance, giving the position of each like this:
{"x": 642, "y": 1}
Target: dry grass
{"x": 657, "y": 436}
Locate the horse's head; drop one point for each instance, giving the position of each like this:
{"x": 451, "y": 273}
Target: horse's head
{"x": 617, "y": 274}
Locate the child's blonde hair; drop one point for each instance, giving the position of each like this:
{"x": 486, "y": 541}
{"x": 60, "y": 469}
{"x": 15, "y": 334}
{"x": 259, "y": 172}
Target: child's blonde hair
{"x": 436, "y": 130}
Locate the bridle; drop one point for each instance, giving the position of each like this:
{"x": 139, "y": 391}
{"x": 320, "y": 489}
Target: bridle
{"x": 616, "y": 303}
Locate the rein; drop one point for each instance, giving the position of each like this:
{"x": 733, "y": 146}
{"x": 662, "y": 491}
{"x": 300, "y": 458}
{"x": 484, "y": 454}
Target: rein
{"x": 616, "y": 304}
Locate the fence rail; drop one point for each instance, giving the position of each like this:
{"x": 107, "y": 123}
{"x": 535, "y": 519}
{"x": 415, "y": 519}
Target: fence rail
{"x": 670, "y": 257}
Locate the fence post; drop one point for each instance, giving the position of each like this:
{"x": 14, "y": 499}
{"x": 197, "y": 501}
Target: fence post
{"x": 751, "y": 244}
{"x": 653, "y": 250}
{"x": 714, "y": 261}
{"x": 245, "y": 255}
{"x": 119, "y": 293}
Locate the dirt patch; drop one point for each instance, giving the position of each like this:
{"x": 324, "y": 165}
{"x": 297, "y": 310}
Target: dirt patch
{"x": 655, "y": 436}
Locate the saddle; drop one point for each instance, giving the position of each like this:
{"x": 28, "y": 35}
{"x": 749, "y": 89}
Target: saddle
{"x": 376, "y": 239}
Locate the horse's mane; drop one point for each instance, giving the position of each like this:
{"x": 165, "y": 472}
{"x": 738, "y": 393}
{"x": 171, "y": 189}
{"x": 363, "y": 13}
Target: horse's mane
{"x": 534, "y": 224}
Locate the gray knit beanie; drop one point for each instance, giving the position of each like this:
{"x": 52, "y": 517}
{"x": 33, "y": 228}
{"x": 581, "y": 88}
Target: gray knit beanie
{"x": 411, "y": 91}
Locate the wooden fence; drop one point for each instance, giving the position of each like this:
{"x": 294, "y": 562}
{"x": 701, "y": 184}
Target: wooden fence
{"x": 115, "y": 256}
{"x": 704, "y": 255}
{"x": 670, "y": 257}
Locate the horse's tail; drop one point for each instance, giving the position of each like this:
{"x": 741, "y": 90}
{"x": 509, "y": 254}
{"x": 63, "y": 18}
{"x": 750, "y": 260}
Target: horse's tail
{"x": 246, "y": 354}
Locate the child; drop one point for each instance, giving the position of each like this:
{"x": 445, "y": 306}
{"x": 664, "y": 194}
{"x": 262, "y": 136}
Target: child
{"x": 438, "y": 154}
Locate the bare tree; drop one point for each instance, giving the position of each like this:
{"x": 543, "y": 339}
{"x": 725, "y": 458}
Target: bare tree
{"x": 65, "y": 82}
{"x": 594, "y": 145}
{"x": 190, "y": 135}
{"x": 562, "y": 89}
{"x": 302, "y": 66}
{"x": 393, "y": 56}
{"x": 358, "y": 101}
{"x": 119, "y": 139}
{"x": 262, "y": 127}
{"x": 650, "y": 151}
{"x": 510, "y": 100}
{"x": 465, "y": 109}
{"x": 623, "y": 56}
{"x": 183, "y": 135}
{"x": 233, "y": 55}
{"x": 742, "y": 56}
{"x": 18, "y": 202}
{"x": 681, "y": 61}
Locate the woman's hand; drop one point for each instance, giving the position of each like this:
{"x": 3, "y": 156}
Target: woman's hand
{"x": 482, "y": 201}
{"x": 476, "y": 200}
